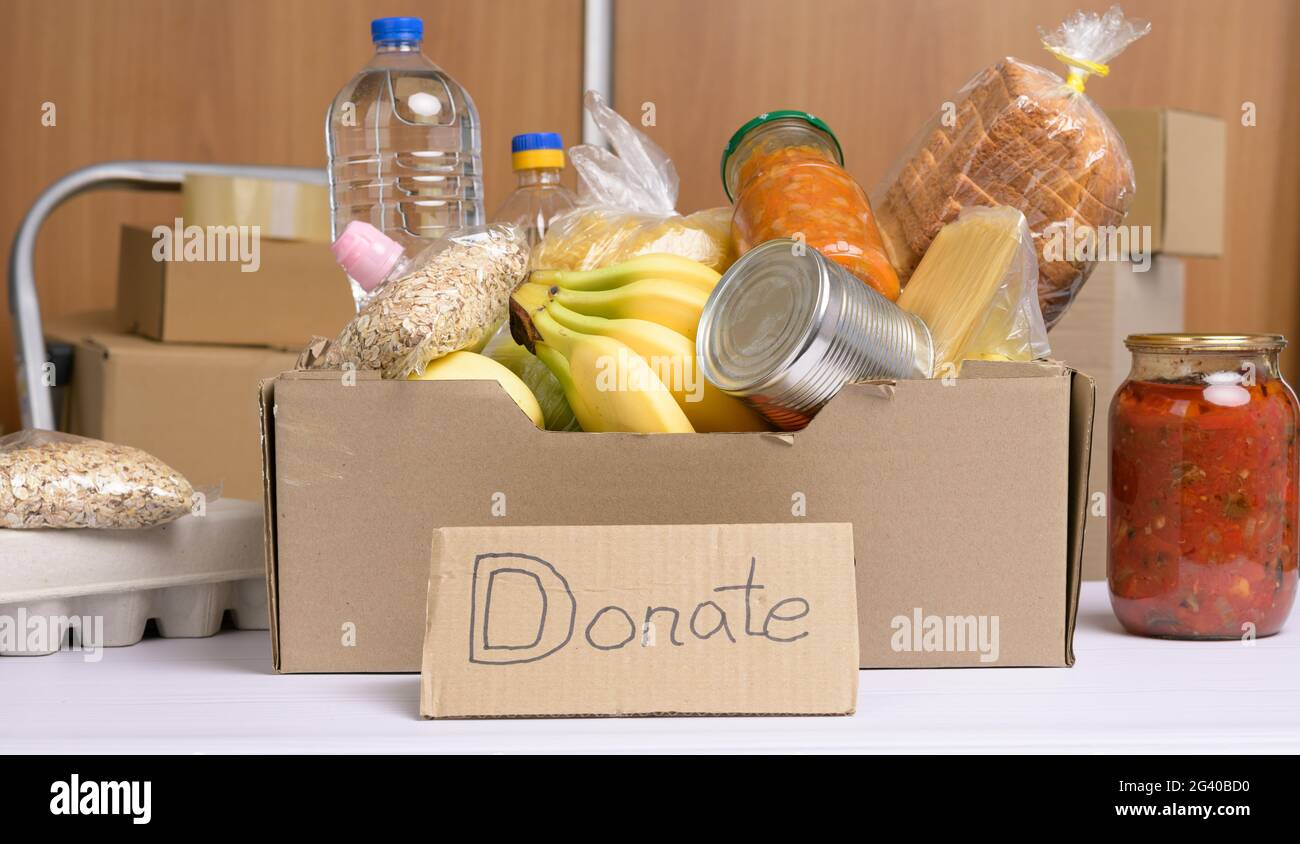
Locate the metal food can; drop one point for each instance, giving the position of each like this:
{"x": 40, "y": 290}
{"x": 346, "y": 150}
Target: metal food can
{"x": 785, "y": 328}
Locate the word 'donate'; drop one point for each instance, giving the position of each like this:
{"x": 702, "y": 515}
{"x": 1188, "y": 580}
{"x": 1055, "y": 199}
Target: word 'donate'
{"x": 610, "y": 627}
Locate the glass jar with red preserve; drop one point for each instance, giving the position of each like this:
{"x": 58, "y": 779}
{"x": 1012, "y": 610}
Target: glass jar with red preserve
{"x": 1203, "y": 488}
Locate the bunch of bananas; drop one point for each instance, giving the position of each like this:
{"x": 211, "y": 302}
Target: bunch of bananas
{"x": 621, "y": 342}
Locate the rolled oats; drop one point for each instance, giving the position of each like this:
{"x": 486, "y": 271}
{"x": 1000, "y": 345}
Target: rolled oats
{"x": 455, "y": 297}
{"x": 53, "y": 480}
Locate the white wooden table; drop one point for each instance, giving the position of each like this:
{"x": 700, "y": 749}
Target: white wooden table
{"x": 1125, "y": 694}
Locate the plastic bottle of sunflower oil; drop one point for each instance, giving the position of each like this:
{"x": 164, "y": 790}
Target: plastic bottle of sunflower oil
{"x": 538, "y": 161}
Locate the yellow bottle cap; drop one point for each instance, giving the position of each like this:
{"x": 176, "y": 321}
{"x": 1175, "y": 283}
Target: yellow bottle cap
{"x": 537, "y": 159}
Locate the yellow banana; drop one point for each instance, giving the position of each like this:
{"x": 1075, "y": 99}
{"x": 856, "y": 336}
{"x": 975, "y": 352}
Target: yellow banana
{"x": 531, "y": 297}
{"x": 609, "y": 387}
{"x": 674, "y": 360}
{"x": 469, "y": 366}
{"x": 673, "y": 304}
{"x": 559, "y": 367}
{"x": 645, "y": 267}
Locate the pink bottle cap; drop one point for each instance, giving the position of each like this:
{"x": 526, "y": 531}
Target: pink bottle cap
{"x": 366, "y": 254}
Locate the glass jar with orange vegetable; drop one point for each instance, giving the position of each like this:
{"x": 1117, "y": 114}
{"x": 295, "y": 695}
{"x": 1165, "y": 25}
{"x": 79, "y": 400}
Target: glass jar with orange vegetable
{"x": 784, "y": 170}
{"x": 1203, "y": 488}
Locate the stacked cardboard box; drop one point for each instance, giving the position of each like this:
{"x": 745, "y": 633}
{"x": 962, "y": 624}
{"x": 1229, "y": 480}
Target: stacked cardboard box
{"x": 208, "y": 305}
{"x": 193, "y": 406}
{"x": 1180, "y": 163}
{"x": 1117, "y": 301}
{"x": 1178, "y": 160}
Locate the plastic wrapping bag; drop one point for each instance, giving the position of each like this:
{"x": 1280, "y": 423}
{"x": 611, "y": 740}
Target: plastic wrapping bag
{"x": 977, "y": 290}
{"x": 627, "y": 202}
{"x": 54, "y": 480}
{"x": 450, "y": 298}
{"x": 1021, "y": 136}
{"x": 503, "y": 349}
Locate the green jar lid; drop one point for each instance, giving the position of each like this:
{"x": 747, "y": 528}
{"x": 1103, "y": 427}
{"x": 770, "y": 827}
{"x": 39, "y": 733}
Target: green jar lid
{"x": 769, "y": 117}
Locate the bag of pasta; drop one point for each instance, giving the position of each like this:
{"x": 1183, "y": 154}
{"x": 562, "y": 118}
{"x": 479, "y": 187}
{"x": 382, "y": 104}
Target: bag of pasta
{"x": 1020, "y": 136}
{"x": 977, "y": 291}
{"x": 627, "y": 206}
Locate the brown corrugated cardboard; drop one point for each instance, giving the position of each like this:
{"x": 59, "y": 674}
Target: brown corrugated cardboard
{"x": 191, "y": 406}
{"x": 1117, "y": 301}
{"x": 297, "y": 291}
{"x": 1180, "y": 164}
{"x": 641, "y": 620}
{"x": 73, "y": 328}
{"x": 966, "y": 501}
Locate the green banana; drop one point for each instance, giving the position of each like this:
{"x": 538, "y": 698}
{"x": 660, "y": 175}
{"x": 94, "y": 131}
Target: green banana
{"x": 657, "y": 266}
{"x": 673, "y": 304}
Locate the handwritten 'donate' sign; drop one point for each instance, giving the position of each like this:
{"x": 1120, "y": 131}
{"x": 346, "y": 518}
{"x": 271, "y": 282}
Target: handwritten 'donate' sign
{"x": 640, "y": 620}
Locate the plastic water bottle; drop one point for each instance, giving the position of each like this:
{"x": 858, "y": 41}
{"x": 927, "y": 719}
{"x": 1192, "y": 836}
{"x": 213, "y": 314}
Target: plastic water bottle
{"x": 405, "y": 149}
{"x": 538, "y": 161}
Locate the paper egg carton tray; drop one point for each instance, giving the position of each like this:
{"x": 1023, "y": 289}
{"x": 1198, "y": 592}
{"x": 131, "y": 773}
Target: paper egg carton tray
{"x": 184, "y": 575}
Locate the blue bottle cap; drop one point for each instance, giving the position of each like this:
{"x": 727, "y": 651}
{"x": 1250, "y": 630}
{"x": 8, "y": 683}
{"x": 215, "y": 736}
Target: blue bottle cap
{"x": 396, "y": 29}
{"x": 536, "y": 140}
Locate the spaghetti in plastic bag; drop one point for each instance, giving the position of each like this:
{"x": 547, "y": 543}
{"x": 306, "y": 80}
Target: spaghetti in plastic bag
{"x": 977, "y": 290}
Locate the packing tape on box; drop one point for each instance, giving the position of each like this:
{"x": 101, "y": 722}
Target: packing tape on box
{"x": 284, "y": 210}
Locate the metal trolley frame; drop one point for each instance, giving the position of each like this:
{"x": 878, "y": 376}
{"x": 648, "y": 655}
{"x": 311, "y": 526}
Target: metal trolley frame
{"x": 33, "y": 388}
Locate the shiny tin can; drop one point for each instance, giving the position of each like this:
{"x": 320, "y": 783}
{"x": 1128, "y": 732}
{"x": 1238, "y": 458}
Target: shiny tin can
{"x": 785, "y": 328}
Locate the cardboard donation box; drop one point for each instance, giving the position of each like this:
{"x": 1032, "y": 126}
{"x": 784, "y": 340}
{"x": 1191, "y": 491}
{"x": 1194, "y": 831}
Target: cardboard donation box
{"x": 280, "y": 295}
{"x": 1180, "y": 166}
{"x": 1119, "y": 299}
{"x": 966, "y": 499}
{"x": 190, "y": 406}
{"x": 641, "y": 620}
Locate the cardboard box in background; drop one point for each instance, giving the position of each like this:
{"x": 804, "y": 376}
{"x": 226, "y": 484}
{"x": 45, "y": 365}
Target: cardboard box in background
{"x": 1180, "y": 164}
{"x": 194, "y": 407}
{"x": 283, "y": 210}
{"x": 1116, "y": 301}
{"x": 966, "y": 501}
{"x": 296, "y": 292}
{"x": 641, "y": 620}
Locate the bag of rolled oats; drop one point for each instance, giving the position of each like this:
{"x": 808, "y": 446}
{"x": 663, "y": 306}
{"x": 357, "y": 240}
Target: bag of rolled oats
{"x": 449, "y": 297}
{"x": 54, "y": 480}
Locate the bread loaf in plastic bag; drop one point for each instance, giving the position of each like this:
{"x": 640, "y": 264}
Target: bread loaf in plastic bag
{"x": 1021, "y": 136}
